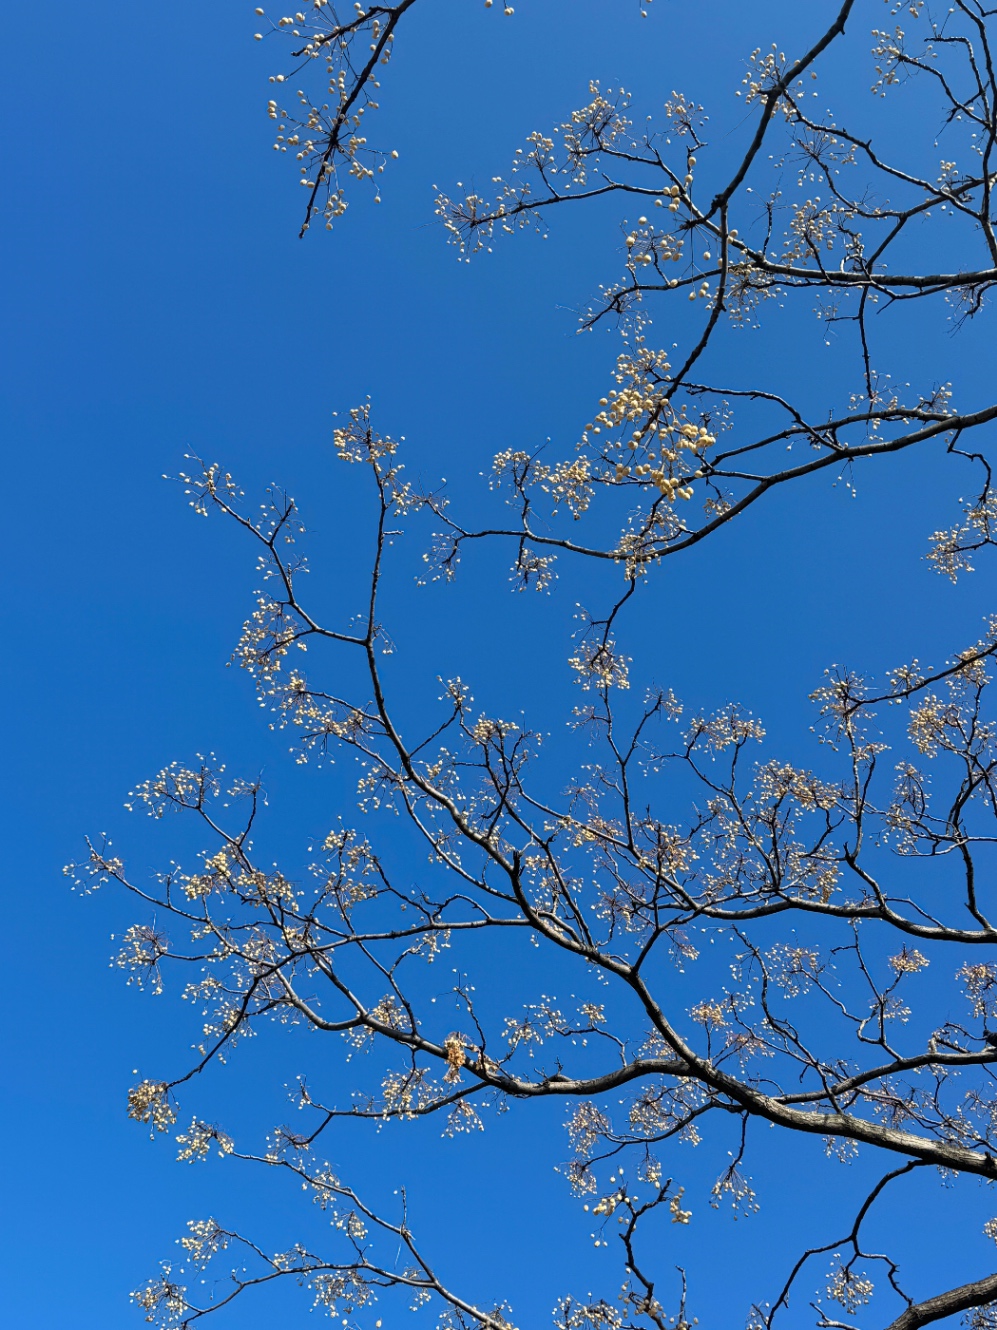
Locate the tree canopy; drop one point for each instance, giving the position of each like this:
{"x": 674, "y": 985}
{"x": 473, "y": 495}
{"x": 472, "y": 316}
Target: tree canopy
{"x": 727, "y": 938}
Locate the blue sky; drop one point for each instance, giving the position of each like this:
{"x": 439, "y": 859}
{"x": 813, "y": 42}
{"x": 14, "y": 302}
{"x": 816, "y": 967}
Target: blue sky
{"x": 158, "y": 302}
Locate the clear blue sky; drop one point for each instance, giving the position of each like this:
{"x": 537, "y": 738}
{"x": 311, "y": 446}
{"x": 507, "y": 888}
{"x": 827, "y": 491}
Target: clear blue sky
{"x": 158, "y": 301}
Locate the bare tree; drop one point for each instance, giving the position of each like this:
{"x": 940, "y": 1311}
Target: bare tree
{"x": 828, "y": 894}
